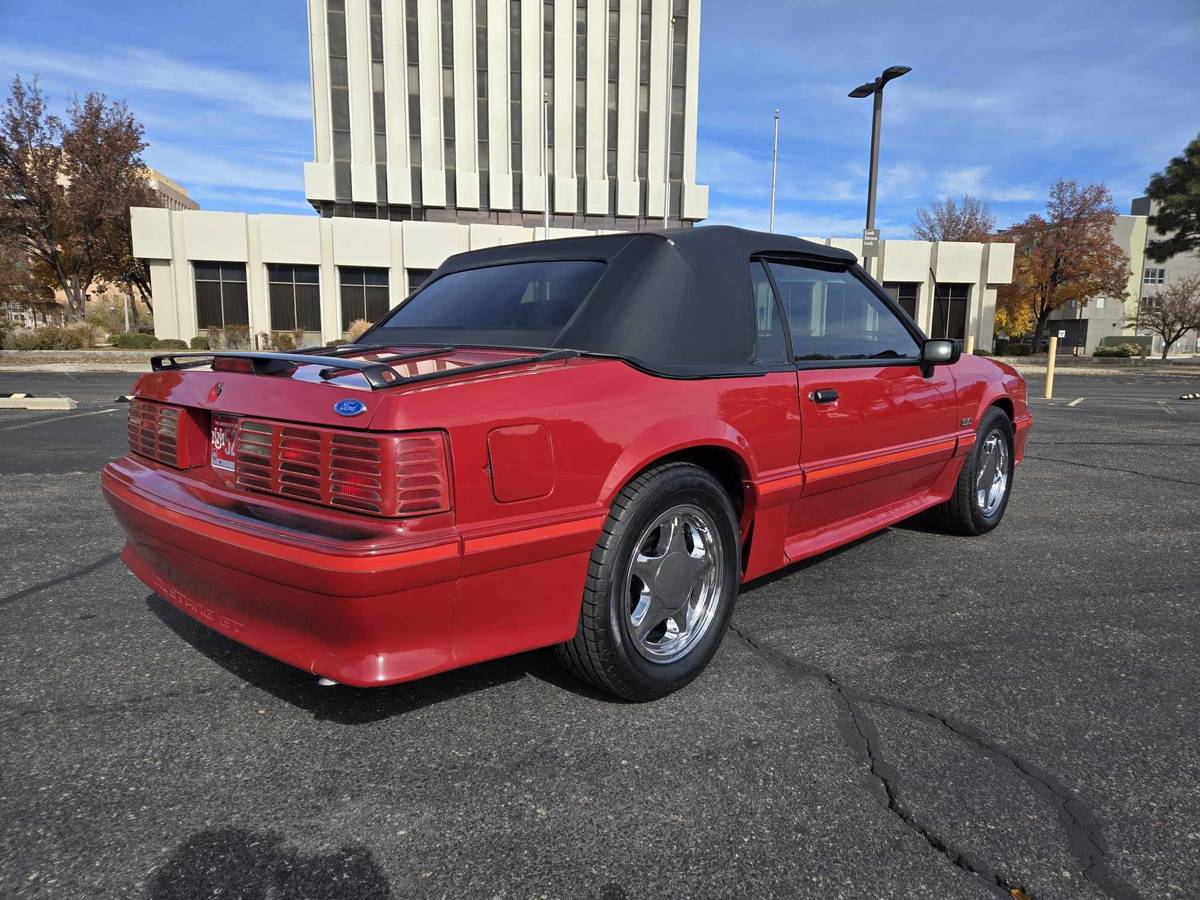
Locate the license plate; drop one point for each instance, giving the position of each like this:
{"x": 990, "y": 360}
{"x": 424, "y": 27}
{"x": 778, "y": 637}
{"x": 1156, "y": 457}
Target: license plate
{"x": 222, "y": 442}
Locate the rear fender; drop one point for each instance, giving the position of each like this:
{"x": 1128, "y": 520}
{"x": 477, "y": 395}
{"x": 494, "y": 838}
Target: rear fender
{"x": 672, "y": 436}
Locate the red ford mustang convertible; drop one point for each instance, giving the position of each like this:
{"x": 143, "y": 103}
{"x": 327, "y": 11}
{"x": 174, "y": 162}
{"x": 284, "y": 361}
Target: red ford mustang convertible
{"x": 588, "y": 443}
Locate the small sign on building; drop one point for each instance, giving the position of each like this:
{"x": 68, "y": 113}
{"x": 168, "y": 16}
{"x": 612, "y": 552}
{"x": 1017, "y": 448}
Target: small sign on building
{"x": 1062, "y": 333}
{"x": 870, "y": 242}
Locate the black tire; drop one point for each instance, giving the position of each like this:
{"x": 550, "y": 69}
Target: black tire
{"x": 603, "y": 651}
{"x": 961, "y": 514}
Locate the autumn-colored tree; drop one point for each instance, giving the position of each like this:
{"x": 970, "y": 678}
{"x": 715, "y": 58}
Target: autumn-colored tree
{"x": 1172, "y": 312}
{"x": 1176, "y": 191}
{"x": 1068, "y": 254}
{"x": 1016, "y": 320}
{"x": 66, "y": 187}
{"x": 20, "y": 280}
{"x": 965, "y": 218}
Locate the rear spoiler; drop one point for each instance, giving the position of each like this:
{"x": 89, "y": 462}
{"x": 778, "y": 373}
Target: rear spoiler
{"x": 377, "y": 372}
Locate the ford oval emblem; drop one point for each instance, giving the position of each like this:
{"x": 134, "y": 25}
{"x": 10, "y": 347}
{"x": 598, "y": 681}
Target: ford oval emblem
{"x": 349, "y": 407}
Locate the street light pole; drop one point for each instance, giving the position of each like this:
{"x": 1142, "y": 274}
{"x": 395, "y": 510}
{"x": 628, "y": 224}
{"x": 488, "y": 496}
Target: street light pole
{"x": 667, "y": 142}
{"x": 874, "y": 89}
{"x": 774, "y": 170}
{"x": 546, "y": 165}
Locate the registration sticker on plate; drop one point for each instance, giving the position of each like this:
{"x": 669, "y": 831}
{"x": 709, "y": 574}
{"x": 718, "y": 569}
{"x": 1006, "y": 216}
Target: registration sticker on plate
{"x": 222, "y": 442}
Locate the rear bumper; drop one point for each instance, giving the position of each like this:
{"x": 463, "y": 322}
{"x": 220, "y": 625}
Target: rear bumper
{"x": 368, "y": 611}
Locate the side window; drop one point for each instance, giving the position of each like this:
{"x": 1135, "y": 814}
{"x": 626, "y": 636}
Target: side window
{"x": 833, "y": 315}
{"x": 772, "y": 342}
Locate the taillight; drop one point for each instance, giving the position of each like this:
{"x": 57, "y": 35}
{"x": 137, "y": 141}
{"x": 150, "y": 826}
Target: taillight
{"x": 382, "y": 475}
{"x": 422, "y": 474}
{"x": 167, "y": 434}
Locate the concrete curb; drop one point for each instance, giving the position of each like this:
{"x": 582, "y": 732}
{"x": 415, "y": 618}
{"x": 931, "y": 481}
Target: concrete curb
{"x": 25, "y": 401}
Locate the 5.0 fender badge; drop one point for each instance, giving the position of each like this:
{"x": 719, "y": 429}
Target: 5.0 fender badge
{"x": 349, "y": 407}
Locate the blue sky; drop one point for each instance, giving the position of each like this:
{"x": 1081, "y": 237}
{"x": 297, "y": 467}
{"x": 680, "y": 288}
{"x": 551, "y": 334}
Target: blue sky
{"x": 1003, "y": 98}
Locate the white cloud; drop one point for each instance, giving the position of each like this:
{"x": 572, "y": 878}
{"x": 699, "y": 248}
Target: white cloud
{"x": 136, "y": 68}
{"x": 192, "y": 168}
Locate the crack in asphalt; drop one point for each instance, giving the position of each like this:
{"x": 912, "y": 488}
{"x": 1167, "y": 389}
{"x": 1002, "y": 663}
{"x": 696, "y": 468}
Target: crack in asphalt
{"x": 42, "y": 585}
{"x": 1085, "y": 838}
{"x": 1083, "y": 465}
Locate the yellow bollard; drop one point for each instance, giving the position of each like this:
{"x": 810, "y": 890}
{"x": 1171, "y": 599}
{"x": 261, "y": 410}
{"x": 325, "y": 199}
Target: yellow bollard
{"x": 1050, "y": 366}
{"x": 970, "y": 344}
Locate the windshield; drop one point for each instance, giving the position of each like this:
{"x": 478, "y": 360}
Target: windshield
{"x": 520, "y": 304}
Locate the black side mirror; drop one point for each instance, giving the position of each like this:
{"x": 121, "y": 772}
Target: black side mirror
{"x": 939, "y": 353}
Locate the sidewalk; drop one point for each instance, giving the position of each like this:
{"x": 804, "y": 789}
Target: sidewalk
{"x": 77, "y": 360}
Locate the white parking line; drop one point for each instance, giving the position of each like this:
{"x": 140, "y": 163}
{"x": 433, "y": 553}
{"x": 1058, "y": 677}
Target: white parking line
{"x": 1076, "y": 401}
{"x": 1166, "y": 407}
{"x": 94, "y": 412}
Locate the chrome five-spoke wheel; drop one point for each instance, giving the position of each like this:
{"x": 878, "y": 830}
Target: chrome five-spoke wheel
{"x": 992, "y": 480}
{"x": 674, "y": 583}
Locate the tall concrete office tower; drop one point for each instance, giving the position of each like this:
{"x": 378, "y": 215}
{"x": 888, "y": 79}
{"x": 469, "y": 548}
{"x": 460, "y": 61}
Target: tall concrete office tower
{"x": 432, "y": 110}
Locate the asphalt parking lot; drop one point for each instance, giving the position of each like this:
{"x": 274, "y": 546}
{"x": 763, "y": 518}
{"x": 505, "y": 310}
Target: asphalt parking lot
{"x": 915, "y": 715}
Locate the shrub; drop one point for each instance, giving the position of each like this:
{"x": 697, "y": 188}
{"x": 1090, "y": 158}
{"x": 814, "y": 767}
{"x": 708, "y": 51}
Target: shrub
{"x": 170, "y": 344}
{"x": 133, "y": 341}
{"x": 199, "y": 343}
{"x": 237, "y": 337}
{"x": 1120, "y": 351}
{"x": 232, "y": 337}
{"x": 357, "y": 329}
{"x": 1019, "y": 350}
{"x": 283, "y": 341}
{"x": 52, "y": 337}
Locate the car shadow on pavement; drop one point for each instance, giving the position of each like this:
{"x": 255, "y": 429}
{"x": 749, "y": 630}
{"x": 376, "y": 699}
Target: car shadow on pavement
{"x": 234, "y": 862}
{"x": 358, "y": 706}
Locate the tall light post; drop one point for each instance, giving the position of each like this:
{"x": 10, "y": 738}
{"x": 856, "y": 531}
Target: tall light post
{"x": 546, "y": 164}
{"x": 875, "y": 89}
{"x": 774, "y": 169}
{"x": 667, "y": 142}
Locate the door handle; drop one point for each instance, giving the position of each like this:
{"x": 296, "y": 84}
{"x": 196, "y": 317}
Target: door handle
{"x": 824, "y": 395}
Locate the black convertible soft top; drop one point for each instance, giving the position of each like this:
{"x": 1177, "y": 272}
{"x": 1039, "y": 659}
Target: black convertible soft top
{"x": 676, "y": 302}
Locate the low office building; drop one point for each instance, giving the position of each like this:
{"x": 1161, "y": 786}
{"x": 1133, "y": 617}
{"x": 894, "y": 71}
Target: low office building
{"x": 1081, "y": 327}
{"x": 272, "y": 273}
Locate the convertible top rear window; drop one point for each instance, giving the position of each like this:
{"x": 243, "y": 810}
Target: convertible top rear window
{"x": 529, "y": 301}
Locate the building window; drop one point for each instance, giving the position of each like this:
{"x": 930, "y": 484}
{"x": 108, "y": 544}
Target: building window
{"x": 950, "y": 305}
{"x": 678, "y": 103}
{"x": 514, "y": 98}
{"x": 295, "y": 295}
{"x": 1154, "y": 276}
{"x": 581, "y": 106}
{"x": 221, "y": 299}
{"x": 417, "y": 277}
{"x": 643, "y": 121}
{"x": 610, "y": 112}
{"x": 364, "y": 294}
{"x": 378, "y": 103}
{"x": 482, "y": 126}
{"x": 447, "y": 7}
{"x": 339, "y": 98}
{"x": 412, "y": 45}
{"x": 905, "y": 295}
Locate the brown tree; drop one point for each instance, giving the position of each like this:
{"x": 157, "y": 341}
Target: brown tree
{"x": 966, "y": 218}
{"x": 1172, "y": 312}
{"x": 1069, "y": 254}
{"x": 21, "y": 281}
{"x": 66, "y": 187}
